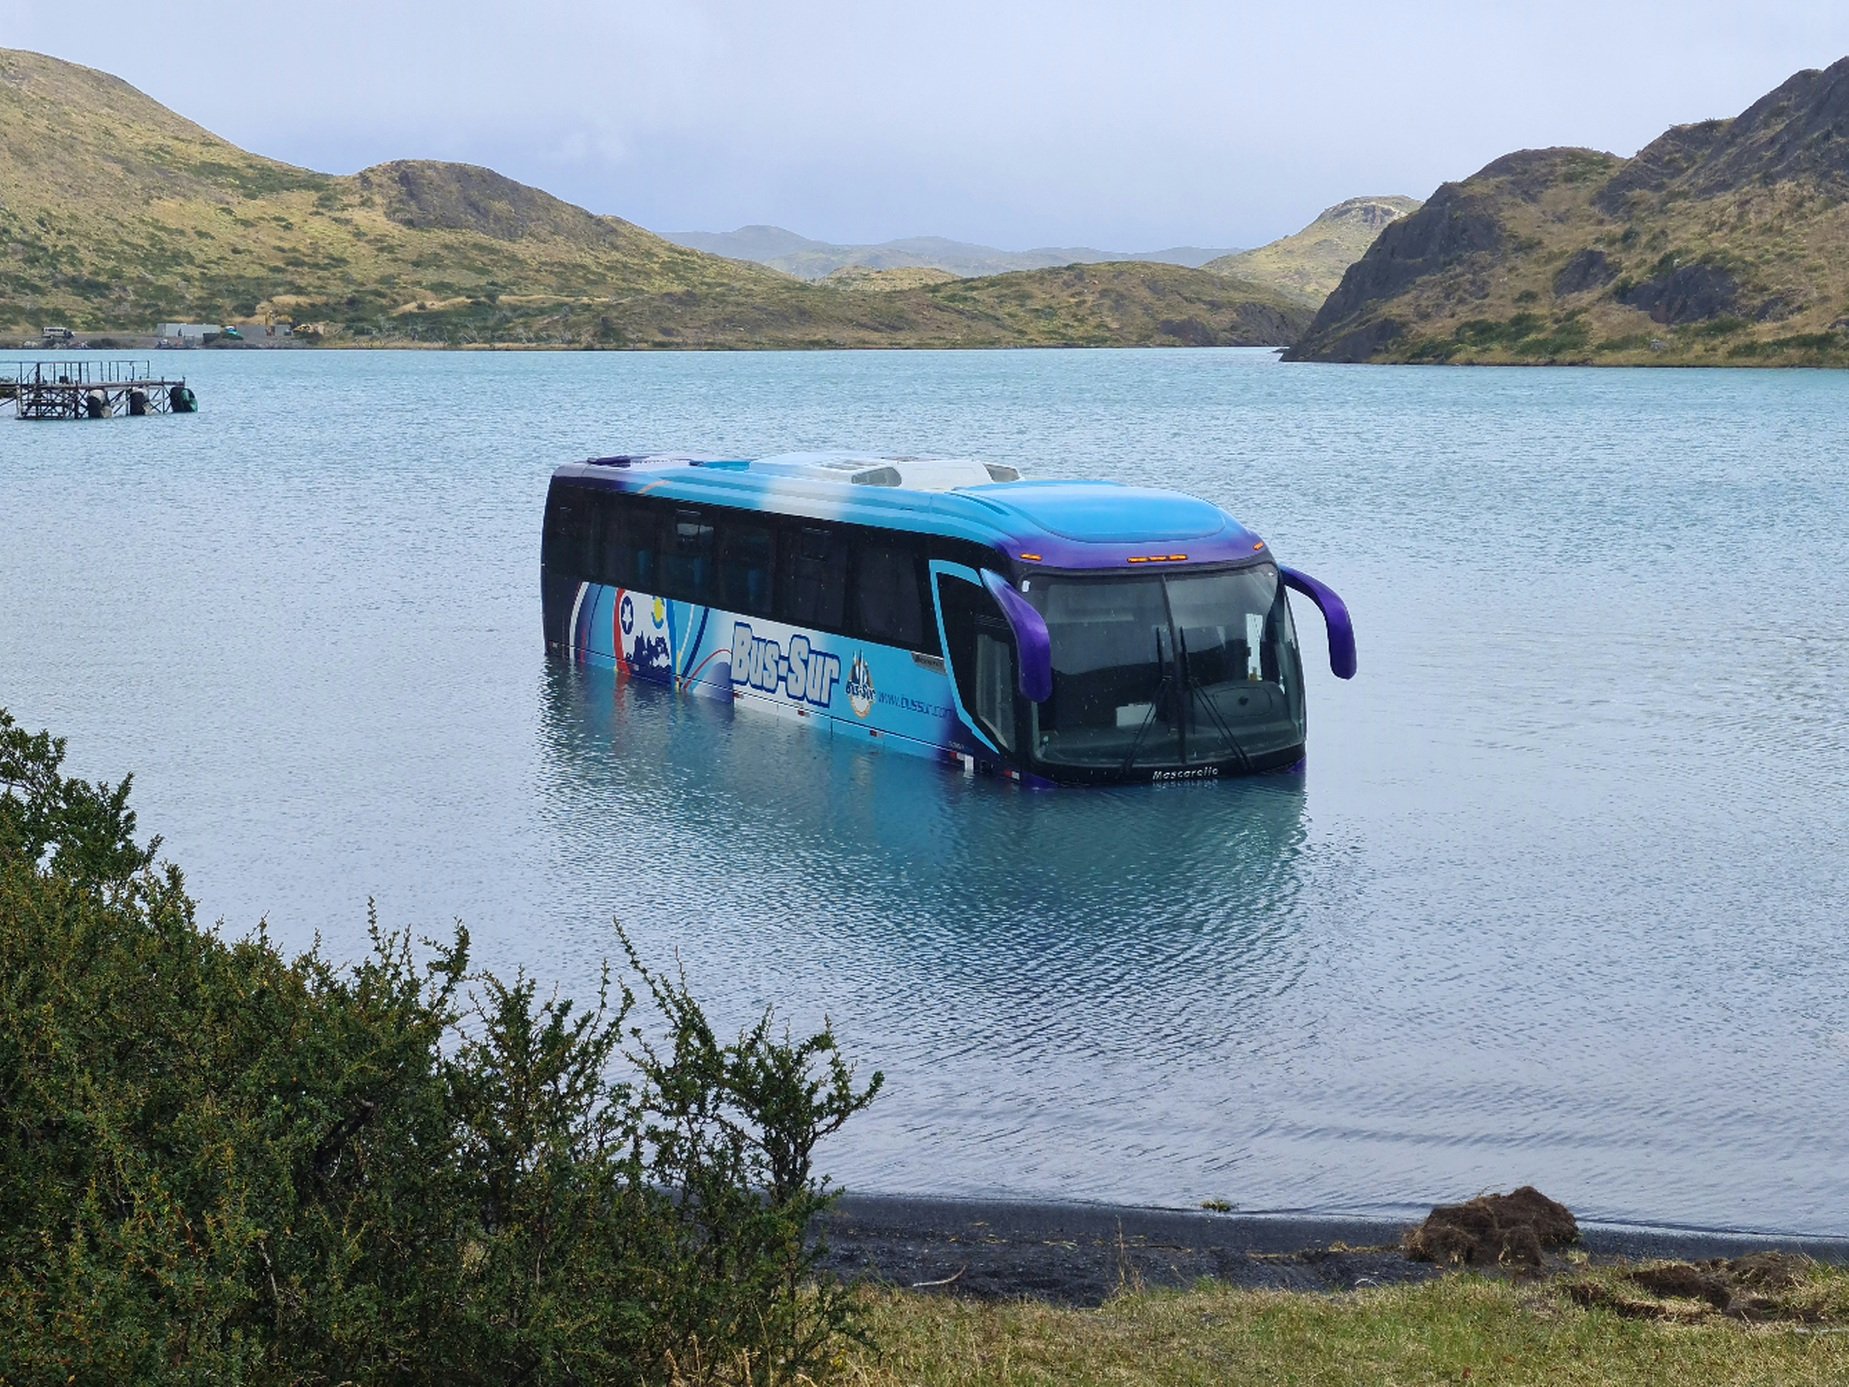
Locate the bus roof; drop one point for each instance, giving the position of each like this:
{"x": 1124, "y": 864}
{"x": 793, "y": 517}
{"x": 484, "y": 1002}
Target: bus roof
{"x": 1067, "y": 523}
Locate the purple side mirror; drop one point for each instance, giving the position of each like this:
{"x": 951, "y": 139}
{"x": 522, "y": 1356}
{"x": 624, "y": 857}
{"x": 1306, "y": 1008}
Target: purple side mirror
{"x": 1035, "y": 677}
{"x": 1335, "y": 617}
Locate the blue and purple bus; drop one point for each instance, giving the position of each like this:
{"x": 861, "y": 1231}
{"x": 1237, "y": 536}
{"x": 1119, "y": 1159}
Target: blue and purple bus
{"x": 1051, "y": 631}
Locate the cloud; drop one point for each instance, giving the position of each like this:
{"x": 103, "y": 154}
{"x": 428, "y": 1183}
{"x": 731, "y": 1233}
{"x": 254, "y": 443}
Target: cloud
{"x": 1017, "y": 123}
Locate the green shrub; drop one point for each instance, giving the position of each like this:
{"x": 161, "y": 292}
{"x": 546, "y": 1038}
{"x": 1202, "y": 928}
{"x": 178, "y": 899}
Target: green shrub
{"x": 221, "y": 1164}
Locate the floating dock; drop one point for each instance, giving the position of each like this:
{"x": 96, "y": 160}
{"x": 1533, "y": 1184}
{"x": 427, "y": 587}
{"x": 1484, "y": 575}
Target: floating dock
{"x": 92, "y": 390}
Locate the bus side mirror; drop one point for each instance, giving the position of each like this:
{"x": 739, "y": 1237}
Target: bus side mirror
{"x": 1034, "y": 648}
{"x": 1335, "y": 618}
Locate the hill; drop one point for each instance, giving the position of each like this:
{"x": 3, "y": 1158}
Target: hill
{"x": 116, "y": 213}
{"x": 884, "y": 281}
{"x": 1311, "y": 262}
{"x": 1721, "y": 242}
{"x": 1077, "y": 306}
{"x": 807, "y": 259}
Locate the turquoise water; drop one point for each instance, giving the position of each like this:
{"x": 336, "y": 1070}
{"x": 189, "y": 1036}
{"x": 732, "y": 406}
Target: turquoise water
{"x": 1560, "y": 897}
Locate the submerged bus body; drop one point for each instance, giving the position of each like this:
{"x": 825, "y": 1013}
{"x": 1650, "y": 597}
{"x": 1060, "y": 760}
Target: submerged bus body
{"x": 1052, "y": 631}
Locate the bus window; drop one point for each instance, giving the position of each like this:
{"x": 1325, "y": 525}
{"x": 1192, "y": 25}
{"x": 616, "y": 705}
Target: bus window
{"x": 994, "y": 684}
{"x": 687, "y": 557}
{"x": 981, "y": 658}
{"x": 629, "y": 542}
{"x": 569, "y": 532}
{"x": 744, "y": 566}
{"x": 812, "y": 577}
{"x": 889, "y": 604}
{"x": 601, "y": 511}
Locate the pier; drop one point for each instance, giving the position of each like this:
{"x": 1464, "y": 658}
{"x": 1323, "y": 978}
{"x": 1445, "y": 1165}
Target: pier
{"x": 92, "y": 390}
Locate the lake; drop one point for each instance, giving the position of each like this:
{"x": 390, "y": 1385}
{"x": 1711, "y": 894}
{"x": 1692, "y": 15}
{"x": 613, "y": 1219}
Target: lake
{"x": 1560, "y": 896}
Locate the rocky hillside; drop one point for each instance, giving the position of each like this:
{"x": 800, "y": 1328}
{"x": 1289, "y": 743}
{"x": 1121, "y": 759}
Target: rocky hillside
{"x": 116, "y": 214}
{"x": 1311, "y": 262}
{"x": 1719, "y": 243}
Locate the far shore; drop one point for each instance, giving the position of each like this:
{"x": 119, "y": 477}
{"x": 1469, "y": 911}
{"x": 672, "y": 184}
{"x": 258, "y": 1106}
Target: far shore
{"x": 105, "y": 343}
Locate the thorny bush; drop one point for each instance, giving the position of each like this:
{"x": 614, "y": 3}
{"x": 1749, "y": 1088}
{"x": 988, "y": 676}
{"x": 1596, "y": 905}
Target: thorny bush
{"x": 219, "y": 1164}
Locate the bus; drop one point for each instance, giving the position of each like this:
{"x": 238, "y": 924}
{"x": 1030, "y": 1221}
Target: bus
{"x": 1050, "y": 631}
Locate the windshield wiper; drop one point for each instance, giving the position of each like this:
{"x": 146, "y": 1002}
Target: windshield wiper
{"x": 1155, "y": 702}
{"x": 1197, "y": 690}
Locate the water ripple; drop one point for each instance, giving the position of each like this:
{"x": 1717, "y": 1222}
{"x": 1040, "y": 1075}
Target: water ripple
{"x": 1558, "y": 897}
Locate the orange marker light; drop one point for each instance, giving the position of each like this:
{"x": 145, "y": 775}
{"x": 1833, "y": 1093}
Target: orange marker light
{"x": 1259, "y": 545}
{"x": 1031, "y": 558}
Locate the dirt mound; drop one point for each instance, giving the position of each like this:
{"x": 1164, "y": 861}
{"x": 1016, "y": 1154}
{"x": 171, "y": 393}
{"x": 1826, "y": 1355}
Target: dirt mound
{"x": 1756, "y": 1287}
{"x": 1769, "y": 1271}
{"x": 1680, "y": 1281}
{"x": 1506, "y": 1230}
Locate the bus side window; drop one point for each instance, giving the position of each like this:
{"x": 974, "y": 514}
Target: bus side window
{"x": 744, "y": 566}
{"x": 687, "y": 557}
{"x": 629, "y": 541}
{"x": 889, "y": 600}
{"x": 600, "y": 507}
{"x": 812, "y": 577}
{"x": 568, "y": 533}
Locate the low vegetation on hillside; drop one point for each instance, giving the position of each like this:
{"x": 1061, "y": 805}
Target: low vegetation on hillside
{"x": 220, "y": 1164}
{"x": 116, "y": 214}
{"x": 1080, "y": 306}
{"x": 1310, "y": 263}
{"x": 884, "y": 281}
{"x": 1720, "y": 243}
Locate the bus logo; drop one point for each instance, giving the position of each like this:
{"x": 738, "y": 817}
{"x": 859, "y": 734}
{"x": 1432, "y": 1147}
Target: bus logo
{"x": 801, "y": 674}
{"x": 860, "y": 686}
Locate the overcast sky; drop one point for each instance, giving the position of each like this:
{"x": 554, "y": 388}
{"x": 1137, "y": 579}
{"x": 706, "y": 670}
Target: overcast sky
{"x": 1127, "y": 126}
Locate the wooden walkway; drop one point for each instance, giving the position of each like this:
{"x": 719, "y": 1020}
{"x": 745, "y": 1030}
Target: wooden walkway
{"x": 91, "y": 390}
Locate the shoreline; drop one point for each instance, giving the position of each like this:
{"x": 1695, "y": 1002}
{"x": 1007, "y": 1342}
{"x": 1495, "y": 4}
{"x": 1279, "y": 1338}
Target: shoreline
{"x": 1653, "y": 362}
{"x": 1081, "y": 1254}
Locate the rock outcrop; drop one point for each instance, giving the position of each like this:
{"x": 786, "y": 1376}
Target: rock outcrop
{"x": 1721, "y": 241}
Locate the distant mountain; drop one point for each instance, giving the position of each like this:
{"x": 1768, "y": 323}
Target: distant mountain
{"x": 117, "y": 214}
{"x": 807, "y": 259}
{"x": 1311, "y": 262}
{"x": 1725, "y": 241}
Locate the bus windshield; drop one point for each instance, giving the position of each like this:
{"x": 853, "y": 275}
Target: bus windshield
{"x": 1173, "y": 670}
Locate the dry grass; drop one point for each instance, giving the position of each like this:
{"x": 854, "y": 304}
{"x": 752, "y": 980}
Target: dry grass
{"x": 1459, "y": 1329}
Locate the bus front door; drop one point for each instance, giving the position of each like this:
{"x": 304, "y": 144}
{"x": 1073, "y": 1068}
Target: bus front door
{"x": 981, "y": 657}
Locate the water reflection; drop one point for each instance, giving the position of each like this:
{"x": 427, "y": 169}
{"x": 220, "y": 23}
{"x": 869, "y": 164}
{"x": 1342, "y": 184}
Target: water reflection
{"x": 997, "y": 951}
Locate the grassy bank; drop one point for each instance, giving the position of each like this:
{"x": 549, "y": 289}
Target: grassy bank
{"x": 1460, "y": 1329}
